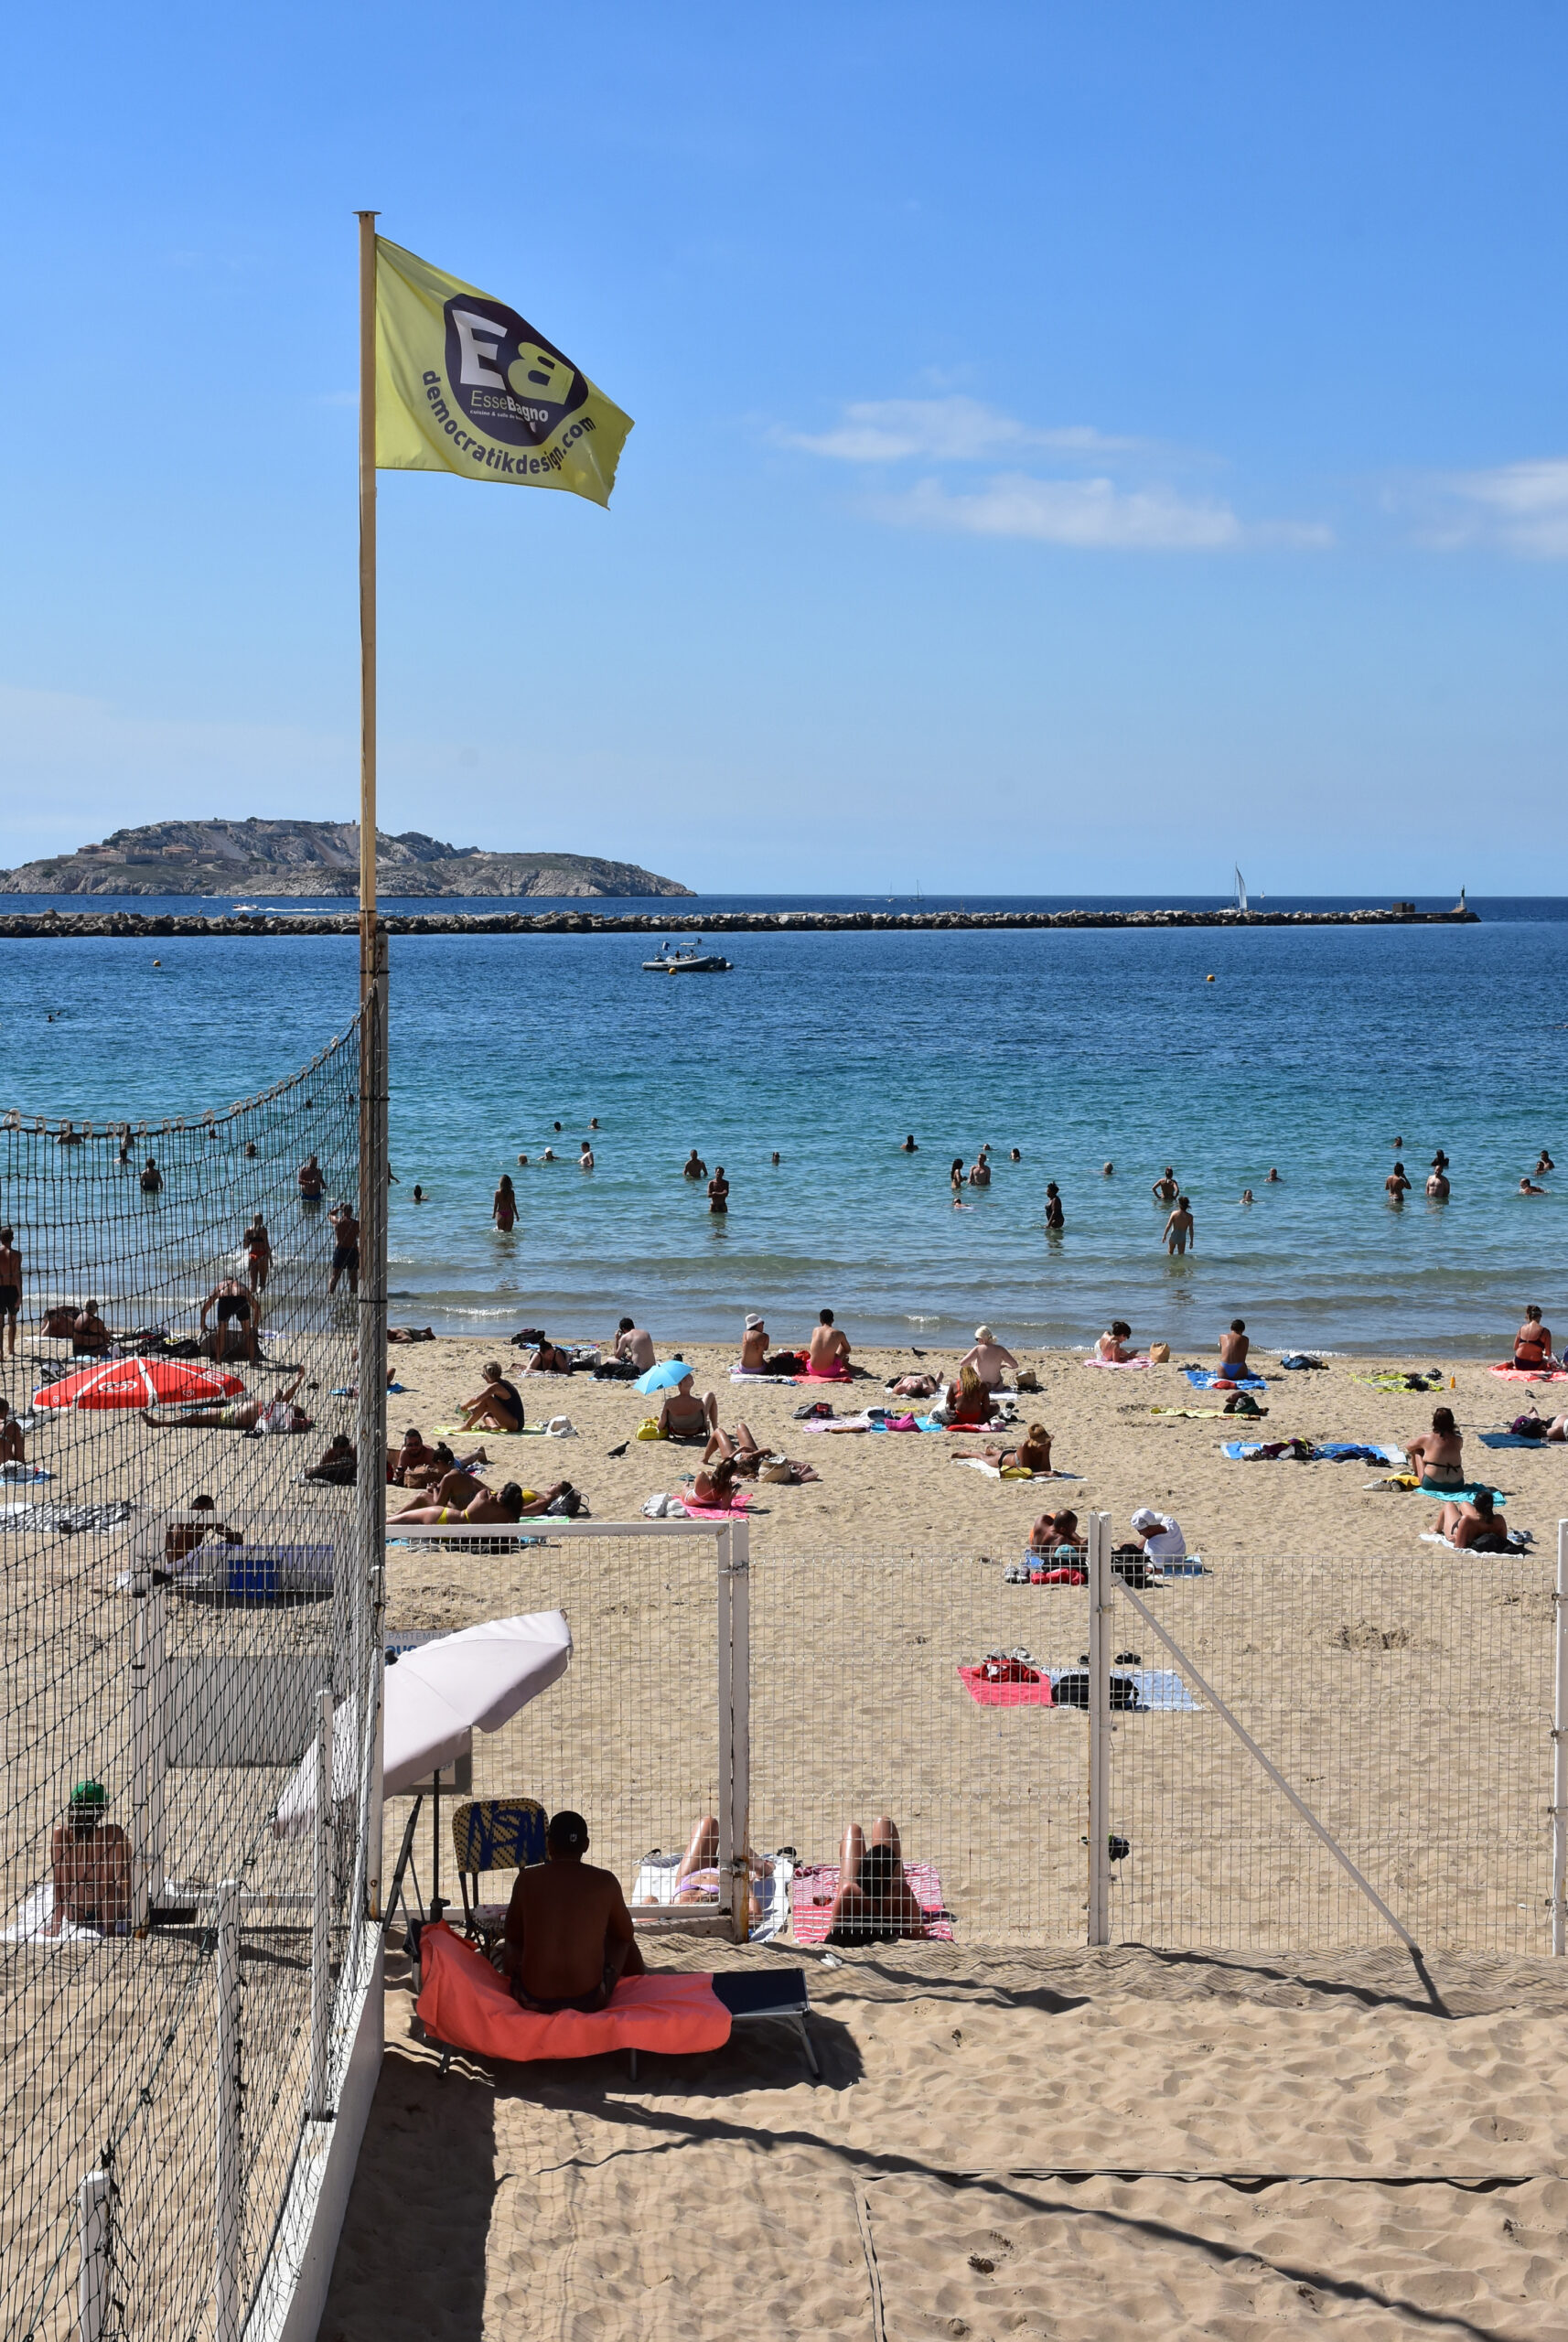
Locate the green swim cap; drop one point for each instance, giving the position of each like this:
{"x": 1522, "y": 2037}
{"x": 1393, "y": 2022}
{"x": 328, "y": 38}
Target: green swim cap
{"x": 91, "y": 1793}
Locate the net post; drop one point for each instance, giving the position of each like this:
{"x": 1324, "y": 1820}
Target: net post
{"x": 1560, "y": 1749}
{"x": 370, "y": 1556}
{"x": 725, "y": 1649}
{"x": 739, "y": 1536}
{"x": 93, "y": 2212}
{"x": 319, "y": 2107}
{"x": 1099, "y": 1728}
{"x": 149, "y": 1752}
{"x": 229, "y": 2174}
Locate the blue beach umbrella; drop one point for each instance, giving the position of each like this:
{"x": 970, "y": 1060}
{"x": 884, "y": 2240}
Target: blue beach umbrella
{"x": 665, "y": 1377}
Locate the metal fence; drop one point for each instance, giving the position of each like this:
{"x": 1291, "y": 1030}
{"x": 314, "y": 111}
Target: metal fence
{"x": 1274, "y": 1755}
{"x": 177, "y": 1975}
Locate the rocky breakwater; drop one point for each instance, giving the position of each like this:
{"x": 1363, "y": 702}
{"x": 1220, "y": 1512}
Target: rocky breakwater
{"x": 136, "y": 926}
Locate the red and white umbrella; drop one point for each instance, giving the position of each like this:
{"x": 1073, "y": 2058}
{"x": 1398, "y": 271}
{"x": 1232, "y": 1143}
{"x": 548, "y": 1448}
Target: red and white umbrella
{"x": 138, "y": 1382}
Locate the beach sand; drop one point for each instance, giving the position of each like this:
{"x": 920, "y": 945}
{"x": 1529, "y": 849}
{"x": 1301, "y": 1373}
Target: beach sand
{"x": 968, "y": 2163}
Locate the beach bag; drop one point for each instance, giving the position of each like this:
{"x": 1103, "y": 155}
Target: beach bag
{"x": 566, "y": 1506}
{"x": 1528, "y": 1427}
{"x": 1027, "y": 1379}
{"x": 1242, "y": 1403}
{"x": 1296, "y": 1363}
{"x": 1132, "y": 1569}
{"x": 649, "y": 1429}
{"x": 1159, "y": 1354}
{"x": 560, "y": 1427}
{"x": 818, "y": 1407}
{"x": 1006, "y": 1667}
{"x": 778, "y": 1470}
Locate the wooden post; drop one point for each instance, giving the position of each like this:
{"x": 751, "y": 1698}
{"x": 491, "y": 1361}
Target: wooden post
{"x": 366, "y": 594}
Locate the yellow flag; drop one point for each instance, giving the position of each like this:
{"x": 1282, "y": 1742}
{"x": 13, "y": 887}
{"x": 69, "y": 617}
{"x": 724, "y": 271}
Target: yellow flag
{"x": 465, "y": 384}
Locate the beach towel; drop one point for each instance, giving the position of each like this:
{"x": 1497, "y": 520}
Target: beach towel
{"x": 1159, "y": 1689}
{"x": 738, "y": 1374}
{"x": 1010, "y": 1471}
{"x": 1530, "y": 1373}
{"x": 23, "y": 1475}
{"x": 1519, "y": 1539}
{"x": 487, "y": 1431}
{"x": 656, "y": 1883}
{"x": 1117, "y": 1365}
{"x": 1514, "y": 1439}
{"x": 466, "y": 2006}
{"x": 838, "y": 1374}
{"x": 65, "y": 1519}
{"x": 1327, "y": 1451}
{"x": 31, "y": 1924}
{"x": 816, "y": 1883}
{"x": 1194, "y": 1414}
{"x": 1202, "y": 1378}
{"x": 1400, "y": 1382}
{"x": 1465, "y": 1494}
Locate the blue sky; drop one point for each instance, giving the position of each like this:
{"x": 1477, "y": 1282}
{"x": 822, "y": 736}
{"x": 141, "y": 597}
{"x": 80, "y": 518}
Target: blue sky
{"x": 1074, "y": 450}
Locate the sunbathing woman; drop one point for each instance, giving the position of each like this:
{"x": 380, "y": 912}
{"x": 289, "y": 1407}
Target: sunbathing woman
{"x": 1113, "y": 1343}
{"x": 498, "y": 1406}
{"x": 512, "y": 1504}
{"x": 1474, "y": 1527}
{"x": 874, "y": 1900}
{"x": 1438, "y": 1453}
{"x": 715, "y": 1483}
{"x": 697, "y": 1880}
{"x": 685, "y": 1416}
{"x": 1532, "y": 1344}
{"x": 1033, "y": 1453}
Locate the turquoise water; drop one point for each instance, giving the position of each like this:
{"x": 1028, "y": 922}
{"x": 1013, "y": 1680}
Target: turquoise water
{"x": 1311, "y": 1051}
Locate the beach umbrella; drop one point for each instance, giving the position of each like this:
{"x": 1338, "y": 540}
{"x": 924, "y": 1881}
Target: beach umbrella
{"x": 665, "y": 1377}
{"x": 139, "y": 1382}
{"x": 433, "y": 1701}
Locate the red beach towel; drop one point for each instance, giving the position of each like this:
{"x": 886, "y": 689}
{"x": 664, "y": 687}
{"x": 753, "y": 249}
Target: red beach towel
{"x": 814, "y": 1886}
{"x": 468, "y": 2005}
{"x": 1528, "y": 1373}
{"x": 1005, "y": 1695}
{"x": 840, "y": 1374}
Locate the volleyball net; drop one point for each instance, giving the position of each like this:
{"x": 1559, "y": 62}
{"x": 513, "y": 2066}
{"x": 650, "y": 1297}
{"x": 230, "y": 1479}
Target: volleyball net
{"x": 192, "y": 1353}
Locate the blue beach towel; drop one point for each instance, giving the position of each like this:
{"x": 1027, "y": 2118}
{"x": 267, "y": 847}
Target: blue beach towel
{"x": 1158, "y": 1687}
{"x": 1510, "y": 1439}
{"x": 1201, "y": 1379}
{"x": 1328, "y": 1451}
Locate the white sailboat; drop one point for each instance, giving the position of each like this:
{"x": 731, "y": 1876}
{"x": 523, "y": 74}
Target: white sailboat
{"x": 1241, "y": 891}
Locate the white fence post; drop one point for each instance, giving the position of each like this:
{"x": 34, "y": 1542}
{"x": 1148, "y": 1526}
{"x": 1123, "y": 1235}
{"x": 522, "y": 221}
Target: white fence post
{"x": 739, "y": 1536}
{"x": 324, "y": 1885}
{"x": 149, "y": 1752}
{"x": 92, "y": 2218}
{"x": 1099, "y": 1728}
{"x": 1560, "y": 1750}
{"x": 228, "y": 2220}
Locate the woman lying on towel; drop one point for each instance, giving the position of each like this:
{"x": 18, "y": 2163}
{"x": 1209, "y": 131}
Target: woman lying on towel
{"x": 1033, "y": 1453}
{"x": 481, "y": 1509}
{"x": 875, "y": 1900}
{"x": 1439, "y": 1454}
{"x": 750, "y": 1461}
{"x": 1474, "y": 1527}
{"x": 697, "y": 1880}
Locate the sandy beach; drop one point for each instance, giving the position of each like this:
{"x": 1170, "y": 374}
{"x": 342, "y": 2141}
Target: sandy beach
{"x": 1019, "y": 2136}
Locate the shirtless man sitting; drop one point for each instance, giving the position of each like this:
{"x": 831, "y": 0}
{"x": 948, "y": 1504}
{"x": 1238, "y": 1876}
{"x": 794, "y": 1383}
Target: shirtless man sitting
{"x": 685, "y": 1416}
{"x": 90, "y": 1865}
{"x": 434, "y": 1465}
{"x": 829, "y": 1348}
{"x": 1056, "y": 1533}
{"x": 989, "y": 1359}
{"x": 873, "y": 1898}
{"x": 1234, "y": 1345}
{"x": 632, "y": 1354}
{"x": 183, "y": 1538}
{"x": 402, "y": 1460}
{"x": 569, "y": 1938}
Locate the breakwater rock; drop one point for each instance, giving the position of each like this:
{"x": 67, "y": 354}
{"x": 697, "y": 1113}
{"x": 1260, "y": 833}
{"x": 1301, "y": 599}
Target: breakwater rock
{"x": 138, "y": 926}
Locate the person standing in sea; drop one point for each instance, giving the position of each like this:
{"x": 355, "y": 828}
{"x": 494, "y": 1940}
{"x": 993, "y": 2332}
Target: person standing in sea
{"x": 1056, "y": 1218}
{"x": 718, "y": 1191}
{"x": 1180, "y": 1229}
{"x": 503, "y": 1207}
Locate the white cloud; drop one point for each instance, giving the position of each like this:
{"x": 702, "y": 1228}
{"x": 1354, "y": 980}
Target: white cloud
{"x": 950, "y": 430}
{"x": 1088, "y": 514}
{"x": 1520, "y": 507}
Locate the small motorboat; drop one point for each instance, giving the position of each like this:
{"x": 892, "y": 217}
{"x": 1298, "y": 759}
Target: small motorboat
{"x": 695, "y": 962}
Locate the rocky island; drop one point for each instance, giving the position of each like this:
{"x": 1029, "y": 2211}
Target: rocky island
{"x": 290, "y": 858}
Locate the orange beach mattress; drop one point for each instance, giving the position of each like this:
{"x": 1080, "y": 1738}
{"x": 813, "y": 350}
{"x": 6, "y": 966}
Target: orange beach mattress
{"x": 465, "y": 2004}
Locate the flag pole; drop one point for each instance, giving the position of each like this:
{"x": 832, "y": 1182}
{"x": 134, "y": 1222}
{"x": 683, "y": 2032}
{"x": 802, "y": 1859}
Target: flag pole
{"x": 367, "y": 600}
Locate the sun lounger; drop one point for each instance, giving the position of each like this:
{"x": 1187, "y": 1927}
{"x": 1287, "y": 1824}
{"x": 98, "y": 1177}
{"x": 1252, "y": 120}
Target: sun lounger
{"x": 465, "y": 2006}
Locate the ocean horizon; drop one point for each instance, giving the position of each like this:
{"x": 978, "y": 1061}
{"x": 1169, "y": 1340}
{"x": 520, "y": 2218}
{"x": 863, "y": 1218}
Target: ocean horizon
{"x": 1312, "y": 1050}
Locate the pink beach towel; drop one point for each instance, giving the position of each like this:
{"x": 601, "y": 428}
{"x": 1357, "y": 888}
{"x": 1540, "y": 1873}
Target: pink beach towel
{"x": 840, "y": 1374}
{"x": 740, "y": 1504}
{"x": 1005, "y": 1695}
{"x": 1528, "y": 1373}
{"x": 1118, "y": 1365}
{"x": 815, "y": 1885}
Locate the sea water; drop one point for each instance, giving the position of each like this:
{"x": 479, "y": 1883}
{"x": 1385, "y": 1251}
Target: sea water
{"x": 1312, "y": 1051}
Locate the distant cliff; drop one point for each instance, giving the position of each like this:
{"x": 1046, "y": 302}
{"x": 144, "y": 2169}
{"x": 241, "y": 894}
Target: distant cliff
{"x": 278, "y": 858}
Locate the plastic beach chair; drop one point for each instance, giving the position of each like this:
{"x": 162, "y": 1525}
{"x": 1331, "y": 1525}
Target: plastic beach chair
{"x": 777, "y": 1994}
{"x": 493, "y": 1833}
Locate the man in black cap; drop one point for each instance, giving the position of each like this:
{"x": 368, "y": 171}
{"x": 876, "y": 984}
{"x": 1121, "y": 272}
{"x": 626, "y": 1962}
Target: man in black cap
{"x": 569, "y": 1938}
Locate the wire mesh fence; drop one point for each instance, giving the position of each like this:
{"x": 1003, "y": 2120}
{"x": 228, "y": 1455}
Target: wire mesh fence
{"x": 178, "y": 1340}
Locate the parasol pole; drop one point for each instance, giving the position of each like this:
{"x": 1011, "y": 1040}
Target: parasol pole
{"x": 366, "y": 600}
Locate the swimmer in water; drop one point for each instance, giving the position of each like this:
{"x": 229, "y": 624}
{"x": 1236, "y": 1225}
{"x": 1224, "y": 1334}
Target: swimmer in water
{"x": 776, "y": 1155}
{"x": 1396, "y": 1184}
{"x": 585, "y": 1160}
{"x": 955, "y": 1177}
{"x": 1247, "y": 1196}
{"x": 718, "y": 1191}
{"x": 1437, "y": 1186}
{"x": 418, "y": 1193}
{"x": 1545, "y": 1166}
{"x": 1274, "y": 1179}
{"x": 1014, "y": 1156}
{"x": 909, "y": 1146}
{"x": 557, "y": 1126}
{"x": 503, "y": 1206}
{"x": 1180, "y": 1228}
{"x": 1108, "y": 1170}
{"x": 593, "y": 1122}
{"x": 548, "y": 1156}
{"x": 522, "y": 1159}
{"x": 1055, "y": 1218}
{"x": 694, "y": 1167}
{"x": 1526, "y": 1188}
{"x": 1165, "y": 1188}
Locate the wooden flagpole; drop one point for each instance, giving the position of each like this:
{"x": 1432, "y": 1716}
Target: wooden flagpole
{"x": 367, "y": 600}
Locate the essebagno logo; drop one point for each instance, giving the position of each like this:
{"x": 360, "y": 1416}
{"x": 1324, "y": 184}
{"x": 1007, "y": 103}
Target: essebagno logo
{"x": 510, "y": 381}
